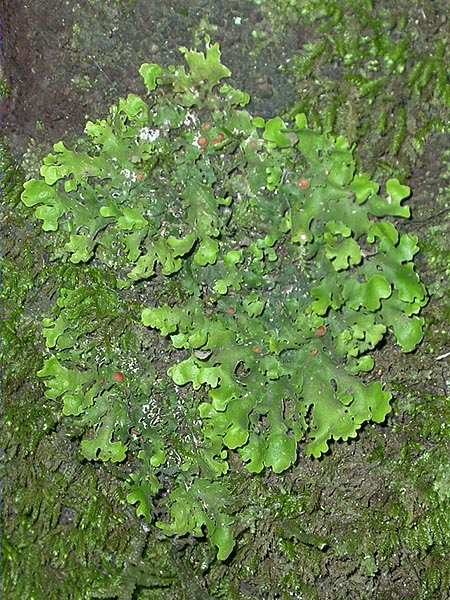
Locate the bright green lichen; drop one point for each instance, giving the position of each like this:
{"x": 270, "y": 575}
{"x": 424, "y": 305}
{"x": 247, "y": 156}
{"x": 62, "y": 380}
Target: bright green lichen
{"x": 288, "y": 275}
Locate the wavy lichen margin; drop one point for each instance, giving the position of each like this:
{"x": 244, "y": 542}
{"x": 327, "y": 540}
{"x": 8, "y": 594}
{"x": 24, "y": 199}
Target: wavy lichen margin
{"x": 288, "y": 274}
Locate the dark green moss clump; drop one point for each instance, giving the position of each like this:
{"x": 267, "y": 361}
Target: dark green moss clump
{"x": 371, "y": 70}
{"x": 67, "y": 532}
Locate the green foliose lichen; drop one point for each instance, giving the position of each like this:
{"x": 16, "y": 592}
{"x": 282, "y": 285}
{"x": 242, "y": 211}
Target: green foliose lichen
{"x": 288, "y": 268}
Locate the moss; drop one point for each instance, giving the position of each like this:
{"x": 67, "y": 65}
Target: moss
{"x": 68, "y": 532}
{"x": 373, "y": 59}
{"x": 405, "y": 519}
{"x": 5, "y": 90}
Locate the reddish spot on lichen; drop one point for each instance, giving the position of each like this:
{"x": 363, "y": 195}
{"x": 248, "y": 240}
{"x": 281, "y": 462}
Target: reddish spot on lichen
{"x": 219, "y": 139}
{"x": 304, "y": 184}
{"x": 321, "y": 331}
{"x": 119, "y": 377}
